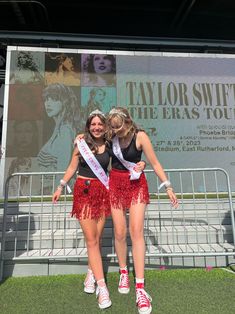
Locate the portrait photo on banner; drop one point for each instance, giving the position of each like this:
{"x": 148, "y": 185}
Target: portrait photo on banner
{"x": 27, "y": 67}
{"x": 98, "y": 70}
{"x": 101, "y": 98}
{"x": 64, "y": 68}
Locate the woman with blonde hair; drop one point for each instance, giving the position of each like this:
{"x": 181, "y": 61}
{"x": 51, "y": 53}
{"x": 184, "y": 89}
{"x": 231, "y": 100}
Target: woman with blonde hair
{"x": 129, "y": 191}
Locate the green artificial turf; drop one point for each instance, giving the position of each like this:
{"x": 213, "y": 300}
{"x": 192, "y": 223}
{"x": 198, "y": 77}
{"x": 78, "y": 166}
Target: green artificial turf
{"x": 173, "y": 291}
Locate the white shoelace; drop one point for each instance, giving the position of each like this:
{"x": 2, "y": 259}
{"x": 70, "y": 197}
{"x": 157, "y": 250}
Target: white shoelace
{"x": 102, "y": 293}
{"x": 124, "y": 280}
{"x": 142, "y": 298}
{"x": 90, "y": 280}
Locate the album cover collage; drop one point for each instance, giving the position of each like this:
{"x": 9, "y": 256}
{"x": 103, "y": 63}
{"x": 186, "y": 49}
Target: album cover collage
{"x": 50, "y": 97}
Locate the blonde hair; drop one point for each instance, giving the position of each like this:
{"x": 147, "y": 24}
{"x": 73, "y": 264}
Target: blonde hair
{"x": 122, "y": 114}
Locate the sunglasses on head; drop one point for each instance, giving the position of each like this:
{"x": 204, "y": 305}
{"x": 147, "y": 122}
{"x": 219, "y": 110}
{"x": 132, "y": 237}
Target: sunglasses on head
{"x": 86, "y": 189}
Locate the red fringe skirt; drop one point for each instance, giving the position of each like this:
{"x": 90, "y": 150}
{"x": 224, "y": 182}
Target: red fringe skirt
{"x": 124, "y": 192}
{"x": 90, "y": 199}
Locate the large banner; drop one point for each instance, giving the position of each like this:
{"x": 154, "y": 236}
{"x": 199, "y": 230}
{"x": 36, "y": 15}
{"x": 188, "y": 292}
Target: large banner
{"x": 185, "y": 102}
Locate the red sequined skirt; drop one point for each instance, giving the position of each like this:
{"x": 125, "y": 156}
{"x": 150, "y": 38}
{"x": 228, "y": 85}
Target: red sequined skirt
{"x": 124, "y": 192}
{"x": 90, "y": 199}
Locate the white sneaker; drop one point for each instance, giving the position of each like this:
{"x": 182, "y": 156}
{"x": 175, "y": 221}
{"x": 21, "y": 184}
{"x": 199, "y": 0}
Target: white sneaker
{"x": 102, "y": 294}
{"x": 89, "y": 283}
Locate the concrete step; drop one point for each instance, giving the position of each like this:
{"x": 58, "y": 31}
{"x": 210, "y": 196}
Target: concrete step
{"x": 63, "y": 220}
{"x": 54, "y": 234}
{"x": 71, "y": 233}
{"x": 108, "y": 252}
{"x": 74, "y": 265}
{"x": 154, "y": 236}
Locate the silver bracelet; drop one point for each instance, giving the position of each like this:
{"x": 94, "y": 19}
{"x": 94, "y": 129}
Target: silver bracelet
{"x": 63, "y": 183}
{"x": 166, "y": 183}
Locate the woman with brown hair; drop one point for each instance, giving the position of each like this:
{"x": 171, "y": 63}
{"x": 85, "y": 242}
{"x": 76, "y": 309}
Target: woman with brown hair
{"x": 90, "y": 198}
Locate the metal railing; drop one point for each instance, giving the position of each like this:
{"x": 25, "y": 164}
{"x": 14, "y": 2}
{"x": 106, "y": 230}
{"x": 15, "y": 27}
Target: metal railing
{"x": 33, "y": 228}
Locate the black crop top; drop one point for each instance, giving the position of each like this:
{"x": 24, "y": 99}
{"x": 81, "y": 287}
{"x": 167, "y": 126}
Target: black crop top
{"x": 85, "y": 171}
{"x": 130, "y": 153}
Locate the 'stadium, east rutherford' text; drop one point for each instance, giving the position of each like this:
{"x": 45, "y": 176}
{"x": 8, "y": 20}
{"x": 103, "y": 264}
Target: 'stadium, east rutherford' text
{"x": 214, "y": 149}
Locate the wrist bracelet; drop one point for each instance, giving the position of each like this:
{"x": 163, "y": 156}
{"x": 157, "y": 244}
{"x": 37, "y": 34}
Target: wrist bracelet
{"x": 63, "y": 184}
{"x": 166, "y": 183}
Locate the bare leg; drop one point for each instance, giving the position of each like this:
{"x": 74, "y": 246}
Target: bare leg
{"x": 136, "y": 229}
{"x": 100, "y": 228}
{"x": 120, "y": 231}
{"x": 92, "y": 230}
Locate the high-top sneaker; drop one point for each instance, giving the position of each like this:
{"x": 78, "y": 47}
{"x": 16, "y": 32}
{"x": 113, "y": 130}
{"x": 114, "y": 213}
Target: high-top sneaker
{"x": 89, "y": 283}
{"x": 102, "y": 294}
{"x": 124, "y": 283}
{"x": 143, "y": 299}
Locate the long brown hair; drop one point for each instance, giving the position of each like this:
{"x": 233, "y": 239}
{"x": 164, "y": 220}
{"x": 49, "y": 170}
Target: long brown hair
{"x": 87, "y": 135}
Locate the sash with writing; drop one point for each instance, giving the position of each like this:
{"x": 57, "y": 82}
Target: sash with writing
{"x": 92, "y": 162}
{"x": 127, "y": 164}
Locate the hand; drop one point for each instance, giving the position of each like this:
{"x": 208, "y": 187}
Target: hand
{"x": 79, "y": 137}
{"x": 56, "y": 196}
{"x": 140, "y": 166}
{"x": 172, "y": 197}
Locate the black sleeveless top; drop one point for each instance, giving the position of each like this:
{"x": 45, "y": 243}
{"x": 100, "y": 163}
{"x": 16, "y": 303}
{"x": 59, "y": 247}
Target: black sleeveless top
{"x": 130, "y": 153}
{"x": 85, "y": 171}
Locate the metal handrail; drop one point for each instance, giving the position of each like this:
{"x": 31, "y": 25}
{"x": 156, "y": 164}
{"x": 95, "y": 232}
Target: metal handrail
{"x": 113, "y": 254}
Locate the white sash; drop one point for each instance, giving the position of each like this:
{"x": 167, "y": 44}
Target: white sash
{"x": 127, "y": 164}
{"x": 92, "y": 162}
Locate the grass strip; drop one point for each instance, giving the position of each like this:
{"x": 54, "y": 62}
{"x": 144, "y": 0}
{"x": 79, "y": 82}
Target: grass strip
{"x": 191, "y": 291}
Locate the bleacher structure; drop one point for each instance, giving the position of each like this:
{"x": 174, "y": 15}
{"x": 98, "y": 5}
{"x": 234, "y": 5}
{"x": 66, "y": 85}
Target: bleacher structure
{"x": 40, "y": 238}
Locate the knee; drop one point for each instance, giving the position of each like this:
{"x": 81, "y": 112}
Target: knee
{"x": 136, "y": 233}
{"x": 120, "y": 234}
{"x": 92, "y": 242}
